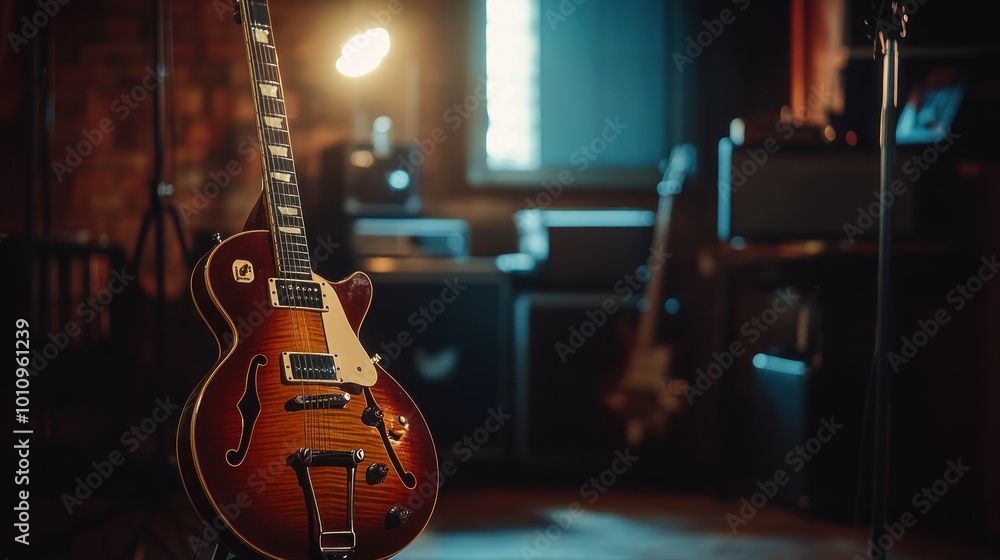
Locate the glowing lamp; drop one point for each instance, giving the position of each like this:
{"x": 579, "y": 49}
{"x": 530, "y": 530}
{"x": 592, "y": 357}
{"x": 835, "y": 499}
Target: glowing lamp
{"x": 363, "y": 52}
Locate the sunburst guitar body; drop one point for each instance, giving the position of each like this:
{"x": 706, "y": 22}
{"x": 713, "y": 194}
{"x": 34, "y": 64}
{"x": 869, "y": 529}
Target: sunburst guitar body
{"x": 296, "y": 445}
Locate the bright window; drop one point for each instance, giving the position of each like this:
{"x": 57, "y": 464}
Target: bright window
{"x": 575, "y": 88}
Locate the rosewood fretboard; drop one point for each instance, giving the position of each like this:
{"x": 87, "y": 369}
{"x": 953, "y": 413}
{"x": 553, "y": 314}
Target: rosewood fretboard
{"x": 281, "y": 190}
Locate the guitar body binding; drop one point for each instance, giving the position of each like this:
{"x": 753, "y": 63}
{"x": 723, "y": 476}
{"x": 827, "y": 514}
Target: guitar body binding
{"x": 274, "y": 481}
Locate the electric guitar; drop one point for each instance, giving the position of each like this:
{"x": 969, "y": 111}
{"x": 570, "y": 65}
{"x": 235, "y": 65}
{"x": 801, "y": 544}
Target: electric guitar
{"x": 297, "y": 445}
{"x": 646, "y": 397}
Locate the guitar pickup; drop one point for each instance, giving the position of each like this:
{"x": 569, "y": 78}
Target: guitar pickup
{"x": 318, "y": 402}
{"x": 296, "y": 294}
{"x": 300, "y": 367}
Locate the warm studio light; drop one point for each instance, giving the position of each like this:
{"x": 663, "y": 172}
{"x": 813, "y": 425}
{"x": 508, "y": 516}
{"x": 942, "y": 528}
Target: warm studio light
{"x": 362, "y": 158}
{"x": 381, "y": 144}
{"x": 363, "y": 52}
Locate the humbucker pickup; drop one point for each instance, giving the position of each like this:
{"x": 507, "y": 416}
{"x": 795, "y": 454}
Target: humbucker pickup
{"x": 310, "y": 368}
{"x": 299, "y": 294}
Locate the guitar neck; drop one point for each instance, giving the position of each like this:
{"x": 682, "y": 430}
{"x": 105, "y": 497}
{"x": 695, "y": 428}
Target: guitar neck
{"x": 680, "y": 165}
{"x": 281, "y": 190}
{"x": 649, "y": 320}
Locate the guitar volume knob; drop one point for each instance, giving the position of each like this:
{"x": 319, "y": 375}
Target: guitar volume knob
{"x": 372, "y": 416}
{"x": 396, "y": 517}
{"x": 376, "y": 473}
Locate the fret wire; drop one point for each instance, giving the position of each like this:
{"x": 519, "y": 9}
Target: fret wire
{"x": 291, "y": 248}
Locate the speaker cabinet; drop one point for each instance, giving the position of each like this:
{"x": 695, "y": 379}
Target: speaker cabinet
{"x": 806, "y": 350}
{"x": 442, "y": 333}
{"x": 567, "y": 242}
{"x": 377, "y": 185}
{"x": 770, "y": 192}
{"x": 569, "y": 350}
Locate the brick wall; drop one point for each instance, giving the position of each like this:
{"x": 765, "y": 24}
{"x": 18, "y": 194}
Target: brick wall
{"x": 102, "y": 145}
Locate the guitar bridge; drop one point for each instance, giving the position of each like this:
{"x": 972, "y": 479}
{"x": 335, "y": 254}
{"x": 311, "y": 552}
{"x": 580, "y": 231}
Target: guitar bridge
{"x": 328, "y": 545}
{"x": 317, "y": 402}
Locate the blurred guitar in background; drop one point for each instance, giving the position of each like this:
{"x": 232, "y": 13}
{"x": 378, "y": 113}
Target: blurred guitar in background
{"x": 646, "y": 397}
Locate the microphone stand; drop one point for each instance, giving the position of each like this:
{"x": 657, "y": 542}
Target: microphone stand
{"x": 889, "y": 33}
{"x": 159, "y": 194}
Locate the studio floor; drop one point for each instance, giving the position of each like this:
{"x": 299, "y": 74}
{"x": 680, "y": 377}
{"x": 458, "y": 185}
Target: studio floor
{"x": 505, "y": 523}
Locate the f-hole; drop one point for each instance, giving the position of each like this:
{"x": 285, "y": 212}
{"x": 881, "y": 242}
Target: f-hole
{"x": 249, "y": 407}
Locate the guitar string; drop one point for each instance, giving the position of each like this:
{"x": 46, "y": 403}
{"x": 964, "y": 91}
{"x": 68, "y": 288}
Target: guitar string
{"x": 298, "y": 258}
{"x": 287, "y": 265}
{"x": 300, "y": 318}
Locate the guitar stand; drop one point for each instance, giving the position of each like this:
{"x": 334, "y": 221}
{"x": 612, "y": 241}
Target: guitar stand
{"x": 222, "y": 553}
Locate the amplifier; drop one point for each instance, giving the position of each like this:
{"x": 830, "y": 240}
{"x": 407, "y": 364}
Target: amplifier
{"x": 585, "y": 249}
{"x": 773, "y": 192}
{"x": 569, "y": 349}
{"x": 410, "y": 237}
{"x": 442, "y": 331}
{"x": 377, "y": 185}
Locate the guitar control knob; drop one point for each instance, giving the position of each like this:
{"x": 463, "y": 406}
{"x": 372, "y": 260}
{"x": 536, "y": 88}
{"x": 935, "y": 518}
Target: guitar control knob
{"x": 397, "y": 517}
{"x": 399, "y": 430}
{"x": 372, "y": 416}
{"x": 376, "y": 473}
